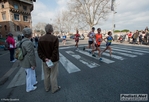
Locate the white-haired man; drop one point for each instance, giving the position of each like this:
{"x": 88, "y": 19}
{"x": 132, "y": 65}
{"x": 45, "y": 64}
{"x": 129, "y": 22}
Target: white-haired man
{"x": 48, "y": 50}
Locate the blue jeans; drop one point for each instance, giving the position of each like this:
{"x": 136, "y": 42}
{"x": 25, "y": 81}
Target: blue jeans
{"x": 11, "y": 54}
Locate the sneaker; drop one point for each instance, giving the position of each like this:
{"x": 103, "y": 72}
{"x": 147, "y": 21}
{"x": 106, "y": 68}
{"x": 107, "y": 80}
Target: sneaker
{"x": 14, "y": 60}
{"x": 89, "y": 52}
{"x": 83, "y": 48}
{"x": 100, "y": 58}
{"x": 94, "y": 55}
{"x": 34, "y": 88}
{"x": 36, "y": 83}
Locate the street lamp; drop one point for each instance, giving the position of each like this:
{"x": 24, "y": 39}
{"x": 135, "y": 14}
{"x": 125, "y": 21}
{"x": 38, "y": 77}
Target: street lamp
{"x": 114, "y": 21}
{"x": 113, "y": 9}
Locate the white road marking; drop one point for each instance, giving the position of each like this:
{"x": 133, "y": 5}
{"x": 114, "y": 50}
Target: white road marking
{"x": 113, "y": 56}
{"x": 124, "y": 54}
{"x": 105, "y": 60}
{"x": 88, "y": 63}
{"x": 121, "y": 50}
{"x": 69, "y": 66}
{"x": 132, "y": 50}
{"x": 133, "y": 47}
{"x": 19, "y": 79}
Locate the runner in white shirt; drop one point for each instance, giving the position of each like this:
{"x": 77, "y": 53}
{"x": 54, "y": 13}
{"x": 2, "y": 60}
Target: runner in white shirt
{"x": 90, "y": 40}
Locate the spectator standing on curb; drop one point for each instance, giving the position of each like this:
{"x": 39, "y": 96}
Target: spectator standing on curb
{"x": 147, "y": 37}
{"x": 36, "y": 41}
{"x": 11, "y": 46}
{"x": 140, "y": 38}
{"x": 135, "y": 37}
{"x": 129, "y": 36}
{"x": 143, "y": 35}
{"x": 146, "y": 28}
{"x": 29, "y": 60}
{"x": 48, "y": 50}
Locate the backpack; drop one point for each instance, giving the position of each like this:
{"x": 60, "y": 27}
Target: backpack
{"x": 19, "y": 53}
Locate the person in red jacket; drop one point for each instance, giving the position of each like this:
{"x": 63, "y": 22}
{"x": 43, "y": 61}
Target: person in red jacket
{"x": 129, "y": 36}
{"x": 11, "y": 46}
{"x": 77, "y": 35}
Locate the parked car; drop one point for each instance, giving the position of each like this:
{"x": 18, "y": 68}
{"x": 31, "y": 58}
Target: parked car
{"x": 72, "y": 37}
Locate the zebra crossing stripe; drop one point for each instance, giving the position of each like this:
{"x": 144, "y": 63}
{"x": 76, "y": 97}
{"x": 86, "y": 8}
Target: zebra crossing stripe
{"x": 132, "y": 50}
{"x": 124, "y": 54}
{"x": 136, "y": 53}
{"x": 113, "y": 56}
{"x": 72, "y": 47}
{"x": 65, "y": 47}
{"x": 88, "y": 63}
{"x": 69, "y": 66}
{"x": 19, "y": 79}
{"x": 105, "y": 60}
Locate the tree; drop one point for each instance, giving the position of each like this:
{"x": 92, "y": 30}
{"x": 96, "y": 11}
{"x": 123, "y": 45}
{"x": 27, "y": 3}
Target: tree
{"x": 115, "y": 31}
{"x": 125, "y": 30}
{"x": 39, "y": 26}
{"x": 89, "y": 12}
{"x": 42, "y": 32}
{"x": 63, "y": 22}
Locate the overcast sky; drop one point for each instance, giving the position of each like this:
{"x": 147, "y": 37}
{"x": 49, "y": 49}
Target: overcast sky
{"x": 131, "y": 14}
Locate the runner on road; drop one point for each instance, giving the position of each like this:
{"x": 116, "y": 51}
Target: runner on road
{"x": 77, "y": 35}
{"x": 98, "y": 40}
{"x": 108, "y": 43}
{"x": 64, "y": 39}
{"x": 90, "y": 40}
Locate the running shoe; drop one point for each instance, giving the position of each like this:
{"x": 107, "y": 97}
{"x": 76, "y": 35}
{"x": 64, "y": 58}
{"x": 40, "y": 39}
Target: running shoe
{"x": 89, "y": 52}
{"x": 94, "y": 55}
{"x": 100, "y": 59}
{"x": 83, "y": 48}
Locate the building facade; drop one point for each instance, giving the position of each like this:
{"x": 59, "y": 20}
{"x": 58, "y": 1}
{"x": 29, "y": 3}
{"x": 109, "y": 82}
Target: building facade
{"x": 14, "y": 16}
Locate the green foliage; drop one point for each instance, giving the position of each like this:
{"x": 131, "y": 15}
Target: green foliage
{"x": 115, "y": 31}
{"x": 125, "y": 30}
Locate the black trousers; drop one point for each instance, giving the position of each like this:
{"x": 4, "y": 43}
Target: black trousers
{"x": 11, "y": 54}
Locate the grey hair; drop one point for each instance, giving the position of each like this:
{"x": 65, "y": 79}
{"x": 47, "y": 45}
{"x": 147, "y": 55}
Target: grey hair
{"x": 27, "y": 32}
{"x": 49, "y": 28}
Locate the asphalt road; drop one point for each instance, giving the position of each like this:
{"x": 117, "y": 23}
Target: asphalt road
{"x": 84, "y": 78}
